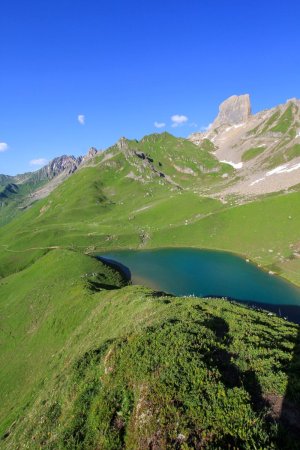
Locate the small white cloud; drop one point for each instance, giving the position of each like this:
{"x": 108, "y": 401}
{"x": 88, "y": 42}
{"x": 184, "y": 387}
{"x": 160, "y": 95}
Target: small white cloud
{"x": 81, "y": 119}
{"x": 178, "y": 120}
{"x": 38, "y": 162}
{"x": 3, "y": 146}
{"x": 159, "y": 124}
{"x": 193, "y": 125}
{"x": 206, "y": 127}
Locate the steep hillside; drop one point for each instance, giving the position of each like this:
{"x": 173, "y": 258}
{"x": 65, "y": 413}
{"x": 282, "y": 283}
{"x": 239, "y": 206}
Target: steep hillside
{"x": 20, "y": 191}
{"x": 133, "y": 195}
{"x": 117, "y": 187}
{"x": 100, "y": 366}
{"x": 90, "y": 362}
{"x": 39, "y": 308}
{"x": 241, "y": 155}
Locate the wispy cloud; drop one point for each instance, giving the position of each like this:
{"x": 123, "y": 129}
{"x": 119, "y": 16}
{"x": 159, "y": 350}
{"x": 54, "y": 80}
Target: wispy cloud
{"x": 3, "y": 146}
{"x": 159, "y": 124}
{"x": 205, "y": 127}
{"x": 178, "y": 120}
{"x": 81, "y": 119}
{"x": 38, "y": 162}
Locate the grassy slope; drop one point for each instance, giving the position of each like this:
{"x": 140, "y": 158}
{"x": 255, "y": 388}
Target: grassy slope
{"x": 13, "y": 199}
{"x": 252, "y": 153}
{"x": 39, "y": 308}
{"x": 100, "y": 368}
{"x": 266, "y": 231}
{"x": 89, "y": 210}
{"x": 70, "y": 384}
{"x": 91, "y": 207}
{"x": 285, "y": 123}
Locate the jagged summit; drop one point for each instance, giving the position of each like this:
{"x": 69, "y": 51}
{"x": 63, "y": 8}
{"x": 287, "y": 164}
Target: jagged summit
{"x": 90, "y": 154}
{"x": 58, "y": 165}
{"x": 234, "y": 110}
{"x": 263, "y": 147}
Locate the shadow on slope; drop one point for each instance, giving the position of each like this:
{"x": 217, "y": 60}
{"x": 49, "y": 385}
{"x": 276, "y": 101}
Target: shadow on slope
{"x": 287, "y": 409}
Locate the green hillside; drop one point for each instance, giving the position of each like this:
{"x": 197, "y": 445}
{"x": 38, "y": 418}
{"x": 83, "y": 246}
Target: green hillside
{"x": 130, "y": 196}
{"x": 17, "y": 193}
{"x": 90, "y": 362}
{"x": 98, "y": 365}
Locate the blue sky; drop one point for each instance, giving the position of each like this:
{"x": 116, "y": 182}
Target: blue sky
{"x": 124, "y": 65}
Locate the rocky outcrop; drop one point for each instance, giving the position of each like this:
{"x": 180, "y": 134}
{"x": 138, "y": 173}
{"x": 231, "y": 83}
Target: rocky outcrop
{"x": 66, "y": 164}
{"x": 233, "y": 111}
{"x": 264, "y": 147}
{"x": 90, "y": 154}
{"x": 122, "y": 143}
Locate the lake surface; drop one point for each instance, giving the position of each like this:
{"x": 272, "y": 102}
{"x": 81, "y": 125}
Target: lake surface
{"x": 185, "y": 271}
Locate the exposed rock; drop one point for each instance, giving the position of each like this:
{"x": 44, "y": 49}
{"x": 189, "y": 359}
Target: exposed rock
{"x": 122, "y": 143}
{"x": 67, "y": 164}
{"x": 264, "y": 146}
{"x": 142, "y": 155}
{"x": 235, "y": 110}
{"x": 91, "y": 153}
{"x": 186, "y": 170}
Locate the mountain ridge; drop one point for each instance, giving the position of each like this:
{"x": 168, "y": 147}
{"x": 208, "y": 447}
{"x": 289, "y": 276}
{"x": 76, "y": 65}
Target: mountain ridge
{"x": 18, "y": 192}
{"x": 262, "y": 148}
{"x": 90, "y": 361}
{"x": 257, "y": 146}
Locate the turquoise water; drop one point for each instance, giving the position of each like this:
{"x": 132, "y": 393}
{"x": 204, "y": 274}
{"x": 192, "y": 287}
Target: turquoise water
{"x": 205, "y": 273}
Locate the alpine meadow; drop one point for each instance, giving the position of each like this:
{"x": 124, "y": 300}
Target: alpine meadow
{"x": 150, "y": 288}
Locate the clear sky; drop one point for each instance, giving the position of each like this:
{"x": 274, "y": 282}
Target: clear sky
{"x": 81, "y": 73}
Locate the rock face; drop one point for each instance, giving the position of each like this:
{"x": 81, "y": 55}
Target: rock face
{"x": 263, "y": 147}
{"x": 66, "y": 164}
{"x": 90, "y": 154}
{"x": 122, "y": 143}
{"x": 233, "y": 111}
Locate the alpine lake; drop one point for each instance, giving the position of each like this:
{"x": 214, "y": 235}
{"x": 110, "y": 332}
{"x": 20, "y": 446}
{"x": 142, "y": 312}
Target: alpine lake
{"x": 206, "y": 273}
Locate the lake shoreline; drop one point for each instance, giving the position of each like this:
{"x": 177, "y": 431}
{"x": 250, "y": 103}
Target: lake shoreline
{"x": 254, "y": 289}
{"x": 247, "y": 259}
{"x": 280, "y": 310}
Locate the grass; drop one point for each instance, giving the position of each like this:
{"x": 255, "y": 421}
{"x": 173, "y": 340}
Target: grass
{"x": 267, "y": 124}
{"x": 110, "y": 195}
{"x": 89, "y": 362}
{"x": 13, "y": 194}
{"x": 251, "y": 230}
{"x": 88, "y": 211}
{"x": 98, "y": 365}
{"x": 278, "y": 122}
{"x": 293, "y": 152}
{"x": 252, "y": 153}
{"x": 284, "y": 156}
{"x": 39, "y": 306}
{"x": 285, "y": 121}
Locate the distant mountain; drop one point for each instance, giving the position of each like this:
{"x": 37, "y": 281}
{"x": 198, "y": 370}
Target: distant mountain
{"x": 245, "y": 154}
{"x": 242, "y": 154}
{"x": 264, "y": 147}
{"x": 20, "y": 191}
{"x": 91, "y": 362}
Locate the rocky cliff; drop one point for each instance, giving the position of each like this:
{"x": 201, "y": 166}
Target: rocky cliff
{"x": 233, "y": 111}
{"x": 263, "y": 148}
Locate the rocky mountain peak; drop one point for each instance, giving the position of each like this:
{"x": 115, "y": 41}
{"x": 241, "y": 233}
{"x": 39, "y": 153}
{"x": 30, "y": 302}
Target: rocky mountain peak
{"x": 235, "y": 110}
{"x": 91, "y": 153}
{"x": 122, "y": 143}
{"x": 67, "y": 164}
